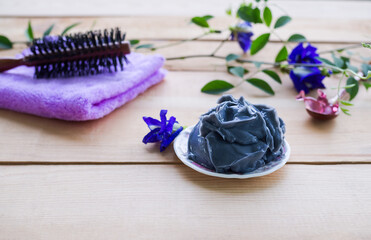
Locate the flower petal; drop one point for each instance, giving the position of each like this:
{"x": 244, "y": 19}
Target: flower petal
{"x": 306, "y": 78}
{"x": 298, "y": 84}
{"x": 170, "y": 125}
{"x": 301, "y": 54}
{"x": 163, "y": 118}
{"x": 243, "y": 33}
{"x": 244, "y": 40}
{"x": 151, "y": 122}
{"x": 152, "y": 136}
{"x": 294, "y": 56}
{"x": 166, "y": 142}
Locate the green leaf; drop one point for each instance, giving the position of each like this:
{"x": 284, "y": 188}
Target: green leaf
{"x": 208, "y": 17}
{"x": 367, "y": 85}
{"x": 282, "y": 21}
{"x": 48, "y": 31}
{"x": 366, "y": 45}
{"x": 230, "y": 67}
{"x": 340, "y": 63}
{"x": 228, "y": 11}
{"x": 345, "y": 59}
{"x": 365, "y": 68}
{"x": 237, "y": 71}
{"x": 267, "y": 15}
{"x": 29, "y": 32}
{"x": 366, "y": 59}
{"x": 215, "y": 31}
{"x": 257, "y": 64}
{"x": 144, "y": 46}
{"x": 348, "y": 86}
{"x": 345, "y": 111}
{"x": 216, "y": 87}
{"x": 326, "y": 61}
{"x": 259, "y": 43}
{"x": 231, "y": 57}
{"x": 282, "y": 55}
{"x": 346, "y": 103}
{"x": 368, "y": 76}
{"x": 67, "y": 29}
{"x": 249, "y": 14}
{"x": 200, "y": 21}
{"x": 256, "y": 13}
{"x": 5, "y": 43}
{"x": 353, "y": 90}
{"x": 351, "y": 67}
{"x": 134, "y": 42}
{"x": 297, "y": 38}
{"x": 273, "y": 75}
{"x": 261, "y": 84}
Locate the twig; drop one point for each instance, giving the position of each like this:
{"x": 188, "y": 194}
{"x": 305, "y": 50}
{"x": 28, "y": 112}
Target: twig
{"x": 184, "y": 40}
{"x": 221, "y": 57}
{"x": 341, "y": 49}
{"x": 219, "y": 46}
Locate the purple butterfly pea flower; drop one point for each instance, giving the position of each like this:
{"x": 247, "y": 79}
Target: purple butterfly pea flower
{"x": 164, "y": 131}
{"x": 306, "y": 78}
{"x": 242, "y": 32}
{"x": 301, "y": 54}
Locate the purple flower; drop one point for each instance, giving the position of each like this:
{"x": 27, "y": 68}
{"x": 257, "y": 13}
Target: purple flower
{"x": 301, "y": 54}
{"x": 306, "y": 78}
{"x": 163, "y": 131}
{"x": 242, "y": 32}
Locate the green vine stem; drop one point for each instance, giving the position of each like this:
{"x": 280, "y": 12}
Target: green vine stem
{"x": 341, "y": 49}
{"x": 327, "y": 66}
{"x": 211, "y": 31}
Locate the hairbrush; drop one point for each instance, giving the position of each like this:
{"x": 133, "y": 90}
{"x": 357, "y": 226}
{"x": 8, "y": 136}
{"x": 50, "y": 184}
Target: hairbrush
{"x": 79, "y": 54}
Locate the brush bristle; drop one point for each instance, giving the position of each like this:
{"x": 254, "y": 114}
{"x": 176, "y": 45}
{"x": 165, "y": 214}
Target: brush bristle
{"x": 71, "y": 53}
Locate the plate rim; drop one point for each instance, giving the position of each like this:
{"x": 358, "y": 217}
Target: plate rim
{"x": 190, "y": 164}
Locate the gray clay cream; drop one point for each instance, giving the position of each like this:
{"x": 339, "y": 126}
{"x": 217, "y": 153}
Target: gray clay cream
{"x": 236, "y": 136}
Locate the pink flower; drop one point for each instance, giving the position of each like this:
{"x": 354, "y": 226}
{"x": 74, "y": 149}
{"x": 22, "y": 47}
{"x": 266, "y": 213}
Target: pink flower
{"x": 321, "y": 108}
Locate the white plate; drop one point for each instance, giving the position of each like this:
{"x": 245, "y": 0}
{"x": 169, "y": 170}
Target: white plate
{"x": 181, "y": 150}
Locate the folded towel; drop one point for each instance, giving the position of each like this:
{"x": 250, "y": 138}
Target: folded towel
{"x": 79, "y": 98}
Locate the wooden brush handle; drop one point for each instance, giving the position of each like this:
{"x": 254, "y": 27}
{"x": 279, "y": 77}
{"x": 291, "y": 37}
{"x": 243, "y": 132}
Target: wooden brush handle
{"x": 6, "y": 64}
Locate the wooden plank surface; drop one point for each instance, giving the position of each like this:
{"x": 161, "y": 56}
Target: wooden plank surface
{"x": 338, "y": 9}
{"x": 117, "y": 137}
{"x": 323, "y": 193}
{"x": 110, "y": 140}
{"x": 174, "y": 202}
{"x": 170, "y": 28}
{"x": 216, "y": 64}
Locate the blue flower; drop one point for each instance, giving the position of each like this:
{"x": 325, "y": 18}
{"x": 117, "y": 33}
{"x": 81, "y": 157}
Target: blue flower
{"x": 164, "y": 131}
{"x": 300, "y": 54}
{"x": 243, "y": 34}
{"x": 305, "y": 78}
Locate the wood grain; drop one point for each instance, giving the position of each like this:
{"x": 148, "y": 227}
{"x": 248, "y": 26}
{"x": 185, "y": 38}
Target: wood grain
{"x": 216, "y": 64}
{"x": 117, "y": 137}
{"x": 352, "y": 9}
{"x": 169, "y": 28}
{"x": 320, "y": 194}
{"x": 175, "y": 202}
{"x": 27, "y": 139}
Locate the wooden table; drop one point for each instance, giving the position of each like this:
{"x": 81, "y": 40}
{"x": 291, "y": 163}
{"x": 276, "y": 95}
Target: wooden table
{"x": 97, "y": 180}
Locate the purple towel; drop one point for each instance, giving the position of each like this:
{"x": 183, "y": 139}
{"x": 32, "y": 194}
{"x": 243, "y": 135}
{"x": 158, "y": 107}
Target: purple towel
{"x": 79, "y": 98}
